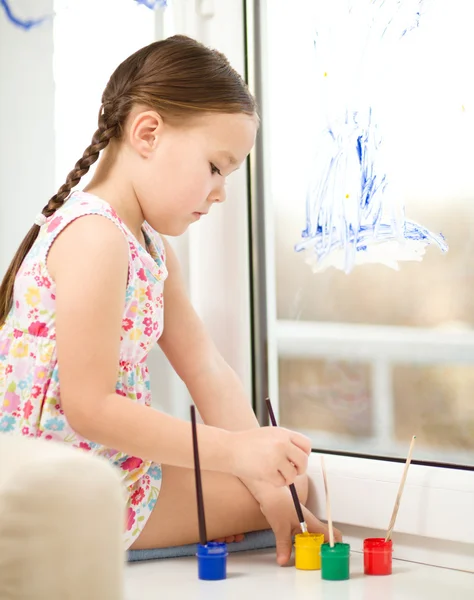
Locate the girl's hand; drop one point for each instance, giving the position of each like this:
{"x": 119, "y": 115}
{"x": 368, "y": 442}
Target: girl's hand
{"x": 268, "y": 454}
{"x": 279, "y": 510}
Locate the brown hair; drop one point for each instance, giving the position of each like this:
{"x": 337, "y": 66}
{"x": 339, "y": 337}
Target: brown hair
{"x": 178, "y": 77}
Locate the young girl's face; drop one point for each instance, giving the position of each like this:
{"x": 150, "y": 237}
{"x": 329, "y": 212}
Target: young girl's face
{"x": 184, "y": 174}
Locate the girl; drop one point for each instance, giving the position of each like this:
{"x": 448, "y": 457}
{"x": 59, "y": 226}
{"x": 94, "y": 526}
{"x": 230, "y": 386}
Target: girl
{"x": 82, "y": 303}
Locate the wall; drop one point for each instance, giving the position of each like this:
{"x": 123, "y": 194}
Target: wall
{"x": 27, "y": 149}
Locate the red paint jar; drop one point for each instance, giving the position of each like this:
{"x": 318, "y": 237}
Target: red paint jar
{"x": 377, "y": 556}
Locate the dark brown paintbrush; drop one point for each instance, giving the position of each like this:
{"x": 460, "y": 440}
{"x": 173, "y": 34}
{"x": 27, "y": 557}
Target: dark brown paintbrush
{"x": 296, "y": 500}
{"x": 197, "y": 472}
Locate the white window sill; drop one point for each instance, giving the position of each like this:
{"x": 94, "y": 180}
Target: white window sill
{"x": 256, "y": 575}
{"x": 434, "y": 529}
{"x": 434, "y": 524}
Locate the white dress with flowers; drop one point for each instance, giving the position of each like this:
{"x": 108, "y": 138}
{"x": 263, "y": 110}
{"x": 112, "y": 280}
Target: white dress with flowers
{"x": 30, "y": 398}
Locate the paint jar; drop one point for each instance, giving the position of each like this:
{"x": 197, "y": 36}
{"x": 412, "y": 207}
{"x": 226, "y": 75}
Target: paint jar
{"x": 212, "y": 561}
{"x": 335, "y": 562}
{"x": 308, "y": 551}
{"x": 377, "y": 556}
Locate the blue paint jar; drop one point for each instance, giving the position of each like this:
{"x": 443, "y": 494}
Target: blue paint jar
{"x": 212, "y": 561}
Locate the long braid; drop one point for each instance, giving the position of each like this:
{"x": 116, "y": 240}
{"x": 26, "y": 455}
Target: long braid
{"x": 100, "y": 140}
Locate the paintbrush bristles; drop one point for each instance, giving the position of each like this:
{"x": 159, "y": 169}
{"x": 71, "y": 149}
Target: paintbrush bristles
{"x": 400, "y": 491}
{"x": 328, "y": 504}
{"x": 197, "y": 473}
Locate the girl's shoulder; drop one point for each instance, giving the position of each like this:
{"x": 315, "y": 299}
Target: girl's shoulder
{"x": 82, "y": 204}
{"x": 79, "y": 204}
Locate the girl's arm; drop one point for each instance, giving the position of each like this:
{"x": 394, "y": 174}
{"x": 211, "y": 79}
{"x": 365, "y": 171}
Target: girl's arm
{"x": 91, "y": 281}
{"x": 213, "y": 385}
{"x": 89, "y": 264}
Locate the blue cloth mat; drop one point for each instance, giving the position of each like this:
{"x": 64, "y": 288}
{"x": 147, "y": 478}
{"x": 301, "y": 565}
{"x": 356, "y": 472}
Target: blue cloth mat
{"x": 256, "y": 540}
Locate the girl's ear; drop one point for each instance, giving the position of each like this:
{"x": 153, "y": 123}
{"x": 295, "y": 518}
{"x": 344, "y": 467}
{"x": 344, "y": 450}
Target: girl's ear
{"x": 145, "y": 131}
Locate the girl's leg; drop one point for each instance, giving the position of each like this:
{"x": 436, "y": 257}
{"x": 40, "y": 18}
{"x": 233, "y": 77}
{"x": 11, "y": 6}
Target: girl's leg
{"x": 230, "y": 509}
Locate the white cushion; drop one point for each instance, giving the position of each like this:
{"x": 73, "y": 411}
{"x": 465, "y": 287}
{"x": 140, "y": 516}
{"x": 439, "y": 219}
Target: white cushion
{"x": 61, "y": 523}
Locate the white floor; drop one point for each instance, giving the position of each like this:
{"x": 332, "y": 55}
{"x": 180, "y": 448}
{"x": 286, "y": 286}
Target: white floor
{"x": 255, "y": 575}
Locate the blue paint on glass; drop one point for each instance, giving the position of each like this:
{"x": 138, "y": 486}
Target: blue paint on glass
{"x": 153, "y": 3}
{"x": 22, "y": 23}
{"x": 349, "y": 205}
{"x": 28, "y": 24}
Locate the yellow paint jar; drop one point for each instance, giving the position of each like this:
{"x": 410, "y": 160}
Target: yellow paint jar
{"x": 308, "y": 551}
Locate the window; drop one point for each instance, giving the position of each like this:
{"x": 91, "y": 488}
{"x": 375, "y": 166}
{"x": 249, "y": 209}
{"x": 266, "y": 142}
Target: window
{"x": 356, "y": 371}
{"x": 348, "y": 357}
{"x": 364, "y": 360}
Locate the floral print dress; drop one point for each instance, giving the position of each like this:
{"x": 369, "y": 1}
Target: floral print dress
{"x": 30, "y": 398}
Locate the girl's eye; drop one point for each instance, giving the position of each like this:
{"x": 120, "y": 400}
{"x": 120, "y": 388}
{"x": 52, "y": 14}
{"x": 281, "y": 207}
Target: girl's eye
{"x": 214, "y": 169}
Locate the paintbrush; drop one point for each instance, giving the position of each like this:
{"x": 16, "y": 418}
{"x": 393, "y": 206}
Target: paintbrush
{"x": 400, "y": 491}
{"x": 328, "y": 504}
{"x": 294, "y": 494}
{"x": 197, "y": 473}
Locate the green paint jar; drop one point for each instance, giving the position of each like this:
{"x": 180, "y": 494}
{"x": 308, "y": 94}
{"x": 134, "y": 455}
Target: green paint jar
{"x": 335, "y": 562}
